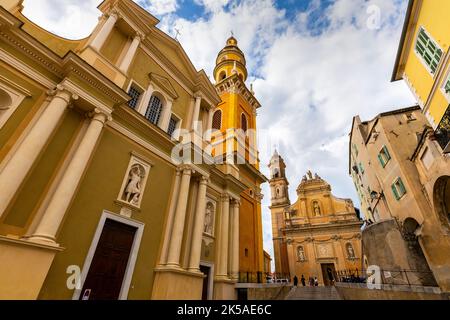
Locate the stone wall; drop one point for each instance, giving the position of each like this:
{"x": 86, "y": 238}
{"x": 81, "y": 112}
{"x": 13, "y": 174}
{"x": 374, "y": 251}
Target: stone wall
{"x": 351, "y": 291}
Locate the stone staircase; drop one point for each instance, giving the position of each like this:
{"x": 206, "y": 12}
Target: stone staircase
{"x": 313, "y": 293}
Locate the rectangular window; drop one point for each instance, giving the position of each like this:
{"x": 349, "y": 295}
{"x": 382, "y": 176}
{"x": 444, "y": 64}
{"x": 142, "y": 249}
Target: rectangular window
{"x": 427, "y": 159}
{"x": 173, "y": 123}
{"x": 398, "y": 189}
{"x": 428, "y": 50}
{"x": 361, "y": 168}
{"x": 447, "y": 86}
{"x": 135, "y": 94}
{"x": 384, "y": 157}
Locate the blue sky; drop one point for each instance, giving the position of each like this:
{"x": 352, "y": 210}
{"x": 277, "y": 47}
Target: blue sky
{"x": 314, "y": 65}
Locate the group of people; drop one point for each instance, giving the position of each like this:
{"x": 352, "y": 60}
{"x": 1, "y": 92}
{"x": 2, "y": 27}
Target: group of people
{"x": 312, "y": 282}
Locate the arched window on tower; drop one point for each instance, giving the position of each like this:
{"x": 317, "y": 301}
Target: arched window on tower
{"x": 217, "y": 120}
{"x": 222, "y": 76}
{"x": 154, "y": 110}
{"x": 244, "y": 124}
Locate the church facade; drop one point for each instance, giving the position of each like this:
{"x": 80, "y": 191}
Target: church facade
{"x": 92, "y": 203}
{"x": 316, "y": 236}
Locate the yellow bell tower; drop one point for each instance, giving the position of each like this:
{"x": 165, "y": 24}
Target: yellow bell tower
{"x": 235, "y": 119}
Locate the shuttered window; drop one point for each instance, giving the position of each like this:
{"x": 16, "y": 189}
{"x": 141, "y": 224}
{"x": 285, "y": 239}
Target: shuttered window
{"x": 398, "y": 189}
{"x": 217, "y": 120}
{"x": 428, "y": 50}
{"x": 154, "y": 110}
{"x": 447, "y": 86}
{"x": 384, "y": 157}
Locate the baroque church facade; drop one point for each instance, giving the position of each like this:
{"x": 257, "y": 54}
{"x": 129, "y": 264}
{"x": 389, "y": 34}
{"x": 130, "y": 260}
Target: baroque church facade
{"x": 316, "y": 236}
{"x": 92, "y": 204}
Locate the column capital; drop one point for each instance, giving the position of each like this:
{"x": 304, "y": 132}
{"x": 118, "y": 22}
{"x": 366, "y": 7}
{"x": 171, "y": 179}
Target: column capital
{"x": 139, "y": 36}
{"x": 236, "y": 202}
{"x": 114, "y": 13}
{"x": 186, "y": 170}
{"x": 62, "y": 92}
{"x": 100, "y": 115}
{"x": 198, "y": 95}
{"x": 225, "y": 197}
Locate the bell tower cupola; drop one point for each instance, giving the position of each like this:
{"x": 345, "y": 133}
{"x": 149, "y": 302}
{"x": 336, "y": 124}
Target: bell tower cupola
{"x": 230, "y": 61}
{"x": 278, "y": 181}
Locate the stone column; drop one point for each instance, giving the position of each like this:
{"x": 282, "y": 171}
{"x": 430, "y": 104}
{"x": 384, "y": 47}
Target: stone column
{"x": 209, "y": 124}
{"x": 234, "y": 250}
{"x": 126, "y": 61}
{"x": 170, "y": 217}
{"x": 195, "y": 116}
{"x": 180, "y": 217}
{"x": 166, "y": 115}
{"x": 199, "y": 222}
{"x": 17, "y": 168}
{"x": 104, "y": 32}
{"x": 222, "y": 271}
{"x": 60, "y": 201}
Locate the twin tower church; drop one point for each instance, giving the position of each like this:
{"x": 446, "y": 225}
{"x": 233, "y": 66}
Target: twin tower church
{"x": 92, "y": 206}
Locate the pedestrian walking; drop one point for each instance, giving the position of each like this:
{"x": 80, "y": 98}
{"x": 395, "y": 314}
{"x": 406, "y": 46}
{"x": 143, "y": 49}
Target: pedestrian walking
{"x": 303, "y": 280}
{"x": 295, "y": 281}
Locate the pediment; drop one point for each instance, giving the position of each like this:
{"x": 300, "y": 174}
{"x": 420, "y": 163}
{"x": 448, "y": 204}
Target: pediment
{"x": 164, "y": 84}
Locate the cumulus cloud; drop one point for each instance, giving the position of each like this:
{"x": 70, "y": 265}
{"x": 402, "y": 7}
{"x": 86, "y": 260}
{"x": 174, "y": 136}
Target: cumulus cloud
{"x": 312, "y": 73}
{"x": 159, "y": 7}
{"x": 72, "y": 19}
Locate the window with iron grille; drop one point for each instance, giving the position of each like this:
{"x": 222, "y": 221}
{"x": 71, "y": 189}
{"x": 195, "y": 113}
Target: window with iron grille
{"x": 244, "y": 124}
{"x": 173, "y": 123}
{"x": 217, "y": 120}
{"x": 154, "y": 110}
{"x": 428, "y": 50}
{"x": 135, "y": 95}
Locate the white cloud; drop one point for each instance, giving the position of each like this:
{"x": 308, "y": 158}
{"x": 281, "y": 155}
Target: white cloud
{"x": 159, "y": 7}
{"x": 310, "y": 84}
{"x": 213, "y": 5}
{"x": 73, "y": 19}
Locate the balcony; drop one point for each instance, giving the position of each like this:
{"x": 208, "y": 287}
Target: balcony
{"x": 442, "y": 133}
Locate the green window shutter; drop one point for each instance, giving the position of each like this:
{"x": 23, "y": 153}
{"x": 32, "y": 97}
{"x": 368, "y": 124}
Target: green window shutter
{"x": 380, "y": 158}
{"x": 447, "y": 86}
{"x": 428, "y": 49}
{"x": 386, "y": 152}
{"x": 394, "y": 191}
{"x": 401, "y": 186}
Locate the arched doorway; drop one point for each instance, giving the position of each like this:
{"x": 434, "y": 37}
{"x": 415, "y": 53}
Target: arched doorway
{"x": 442, "y": 200}
{"x": 420, "y": 273}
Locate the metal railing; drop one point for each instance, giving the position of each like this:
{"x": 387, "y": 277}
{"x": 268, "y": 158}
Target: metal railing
{"x": 263, "y": 277}
{"x": 389, "y": 277}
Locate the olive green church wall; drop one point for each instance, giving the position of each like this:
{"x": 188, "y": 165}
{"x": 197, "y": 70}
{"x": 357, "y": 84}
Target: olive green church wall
{"x": 97, "y": 192}
{"x": 38, "y": 181}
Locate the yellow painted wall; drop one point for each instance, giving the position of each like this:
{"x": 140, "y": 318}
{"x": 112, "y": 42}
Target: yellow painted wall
{"x": 434, "y": 16}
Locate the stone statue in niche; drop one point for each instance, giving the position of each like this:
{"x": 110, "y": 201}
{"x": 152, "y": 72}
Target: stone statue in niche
{"x": 316, "y": 208}
{"x": 301, "y": 254}
{"x": 208, "y": 226}
{"x": 350, "y": 251}
{"x": 132, "y": 192}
